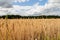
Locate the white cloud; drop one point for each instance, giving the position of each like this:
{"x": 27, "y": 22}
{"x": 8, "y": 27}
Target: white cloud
{"x": 54, "y": 1}
{"x": 29, "y": 10}
{"x": 21, "y": 0}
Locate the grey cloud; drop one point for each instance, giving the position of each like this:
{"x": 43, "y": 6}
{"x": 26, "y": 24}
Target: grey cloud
{"x": 50, "y": 11}
{"x": 6, "y": 3}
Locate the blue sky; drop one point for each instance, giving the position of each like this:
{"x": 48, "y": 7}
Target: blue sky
{"x": 31, "y": 2}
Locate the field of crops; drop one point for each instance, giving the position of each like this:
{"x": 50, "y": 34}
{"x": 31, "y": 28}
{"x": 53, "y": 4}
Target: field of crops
{"x": 29, "y": 29}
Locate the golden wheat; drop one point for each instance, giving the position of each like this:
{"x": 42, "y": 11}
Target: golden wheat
{"x": 29, "y": 29}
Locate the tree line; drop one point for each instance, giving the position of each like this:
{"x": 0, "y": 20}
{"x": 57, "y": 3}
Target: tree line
{"x": 28, "y": 17}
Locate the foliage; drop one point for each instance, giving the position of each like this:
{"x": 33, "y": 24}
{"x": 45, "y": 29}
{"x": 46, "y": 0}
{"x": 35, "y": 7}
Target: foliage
{"x": 27, "y": 17}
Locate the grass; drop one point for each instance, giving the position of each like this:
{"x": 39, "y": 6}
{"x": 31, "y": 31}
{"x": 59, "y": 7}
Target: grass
{"x": 29, "y": 29}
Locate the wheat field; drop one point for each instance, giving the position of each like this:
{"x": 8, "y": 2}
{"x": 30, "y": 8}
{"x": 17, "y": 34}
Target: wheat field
{"x": 29, "y": 29}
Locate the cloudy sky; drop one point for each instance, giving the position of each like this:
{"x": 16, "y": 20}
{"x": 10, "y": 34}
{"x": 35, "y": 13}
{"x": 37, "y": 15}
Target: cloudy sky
{"x": 29, "y": 7}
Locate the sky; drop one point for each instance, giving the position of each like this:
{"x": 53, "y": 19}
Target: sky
{"x": 31, "y": 2}
{"x": 29, "y": 7}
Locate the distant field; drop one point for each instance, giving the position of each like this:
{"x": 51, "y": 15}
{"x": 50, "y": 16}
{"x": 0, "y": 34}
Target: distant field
{"x": 29, "y": 29}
